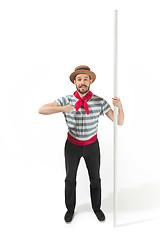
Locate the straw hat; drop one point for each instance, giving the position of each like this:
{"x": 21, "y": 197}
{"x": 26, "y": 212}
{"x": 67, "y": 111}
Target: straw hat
{"x": 82, "y": 69}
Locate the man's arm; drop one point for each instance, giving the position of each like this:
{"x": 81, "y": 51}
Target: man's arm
{"x": 120, "y": 117}
{"x": 53, "y": 107}
{"x": 110, "y": 115}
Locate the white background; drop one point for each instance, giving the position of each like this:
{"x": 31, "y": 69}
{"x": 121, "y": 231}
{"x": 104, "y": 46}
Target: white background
{"x": 41, "y": 43}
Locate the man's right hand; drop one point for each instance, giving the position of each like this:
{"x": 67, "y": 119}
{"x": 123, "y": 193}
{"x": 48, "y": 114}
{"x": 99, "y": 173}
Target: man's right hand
{"x": 53, "y": 107}
{"x": 69, "y": 108}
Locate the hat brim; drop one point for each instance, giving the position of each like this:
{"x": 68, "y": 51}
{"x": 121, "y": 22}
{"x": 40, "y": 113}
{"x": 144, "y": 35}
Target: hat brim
{"x": 90, "y": 73}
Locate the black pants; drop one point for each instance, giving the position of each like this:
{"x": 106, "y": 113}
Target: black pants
{"x": 91, "y": 155}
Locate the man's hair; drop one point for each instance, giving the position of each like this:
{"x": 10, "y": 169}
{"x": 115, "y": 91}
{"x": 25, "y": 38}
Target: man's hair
{"x": 77, "y": 74}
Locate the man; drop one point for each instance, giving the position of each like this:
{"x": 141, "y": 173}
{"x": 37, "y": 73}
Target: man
{"x": 81, "y": 111}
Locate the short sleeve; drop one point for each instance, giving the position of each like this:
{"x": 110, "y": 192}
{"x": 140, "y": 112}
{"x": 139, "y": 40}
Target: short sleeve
{"x": 105, "y": 107}
{"x": 63, "y": 101}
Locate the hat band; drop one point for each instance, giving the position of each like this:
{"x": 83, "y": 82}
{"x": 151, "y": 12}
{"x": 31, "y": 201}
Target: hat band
{"x": 82, "y": 68}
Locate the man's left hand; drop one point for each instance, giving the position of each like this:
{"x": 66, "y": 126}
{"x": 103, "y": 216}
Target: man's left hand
{"x": 117, "y": 102}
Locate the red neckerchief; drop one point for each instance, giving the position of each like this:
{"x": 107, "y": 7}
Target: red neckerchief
{"x": 82, "y": 101}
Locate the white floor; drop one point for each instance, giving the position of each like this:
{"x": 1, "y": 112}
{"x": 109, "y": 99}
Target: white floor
{"x": 41, "y": 224}
{"x": 85, "y": 225}
{"x": 32, "y": 208}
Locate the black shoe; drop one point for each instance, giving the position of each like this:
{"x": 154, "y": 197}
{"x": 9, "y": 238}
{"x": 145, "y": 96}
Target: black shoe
{"x": 100, "y": 215}
{"x": 68, "y": 216}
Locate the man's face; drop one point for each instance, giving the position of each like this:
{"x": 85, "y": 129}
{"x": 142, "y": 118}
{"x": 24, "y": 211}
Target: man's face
{"x": 82, "y": 83}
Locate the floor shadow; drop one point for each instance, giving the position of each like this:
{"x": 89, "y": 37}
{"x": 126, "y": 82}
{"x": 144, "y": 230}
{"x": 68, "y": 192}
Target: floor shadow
{"x": 86, "y": 207}
{"x": 145, "y": 197}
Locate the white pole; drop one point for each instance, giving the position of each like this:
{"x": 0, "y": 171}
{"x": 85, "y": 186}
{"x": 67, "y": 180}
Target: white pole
{"x": 115, "y": 120}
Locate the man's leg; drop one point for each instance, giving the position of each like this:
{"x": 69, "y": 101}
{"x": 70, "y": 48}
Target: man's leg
{"x": 92, "y": 160}
{"x": 91, "y": 155}
{"x": 72, "y": 158}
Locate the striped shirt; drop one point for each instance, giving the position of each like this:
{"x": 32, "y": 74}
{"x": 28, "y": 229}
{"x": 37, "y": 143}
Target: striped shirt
{"x": 80, "y": 125}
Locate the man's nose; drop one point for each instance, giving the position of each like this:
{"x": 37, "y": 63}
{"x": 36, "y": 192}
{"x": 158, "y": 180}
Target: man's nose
{"x": 83, "y": 82}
